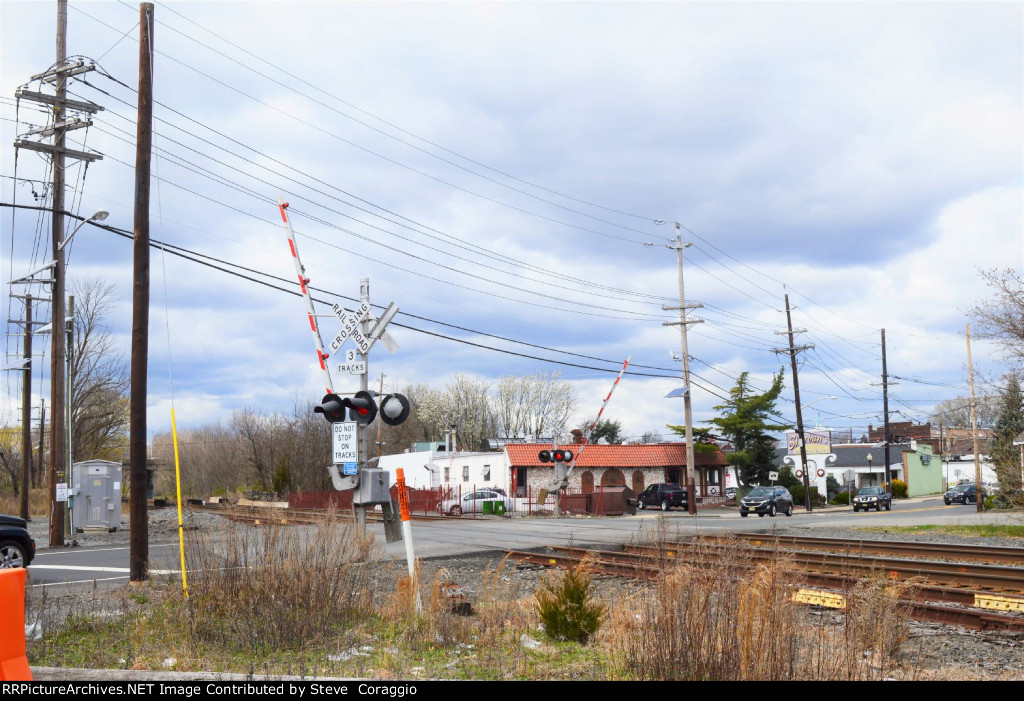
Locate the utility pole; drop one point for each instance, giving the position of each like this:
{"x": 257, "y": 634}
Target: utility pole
{"x": 139, "y": 537}
{"x": 974, "y": 427}
{"x": 62, "y": 123}
{"x": 71, "y": 379}
{"x": 58, "y": 315}
{"x": 885, "y": 415}
{"x": 688, "y": 473}
{"x": 42, "y": 441}
{"x": 26, "y": 409}
{"x": 792, "y": 350}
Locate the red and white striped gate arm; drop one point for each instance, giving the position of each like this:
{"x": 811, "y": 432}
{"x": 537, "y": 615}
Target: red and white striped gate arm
{"x": 590, "y": 432}
{"x": 303, "y": 281}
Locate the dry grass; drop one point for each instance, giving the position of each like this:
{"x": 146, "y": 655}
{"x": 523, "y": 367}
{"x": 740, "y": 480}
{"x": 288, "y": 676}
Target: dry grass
{"x": 725, "y": 618}
{"x": 38, "y": 504}
{"x": 315, "y": 601}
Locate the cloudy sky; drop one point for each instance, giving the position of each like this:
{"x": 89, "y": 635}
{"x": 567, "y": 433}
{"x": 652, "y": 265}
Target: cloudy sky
{"x": 509, "y": 174}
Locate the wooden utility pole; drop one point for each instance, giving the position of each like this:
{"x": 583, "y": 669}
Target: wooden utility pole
{"x": 26, "y": 411}
{"x": 57, "y": 467}
{"x": 974, "y": 426}
{"x": 799, "y": 415}
{"x": 689, "y": 473}
{"x": 38, "y": 477}
{"x": 885, "y": 416}
{"x": 139, "y": 536}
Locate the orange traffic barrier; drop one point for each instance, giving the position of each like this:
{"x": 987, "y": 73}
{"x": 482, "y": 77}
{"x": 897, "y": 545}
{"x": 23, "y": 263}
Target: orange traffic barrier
{"x": 13, "y": 662}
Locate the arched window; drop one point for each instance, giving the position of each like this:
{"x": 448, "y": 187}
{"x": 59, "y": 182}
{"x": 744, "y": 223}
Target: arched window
{"x": 638, "y": 481}
{"x": 587, "y": 482}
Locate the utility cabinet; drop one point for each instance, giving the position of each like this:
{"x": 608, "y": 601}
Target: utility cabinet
{"x": 96, "y": 490}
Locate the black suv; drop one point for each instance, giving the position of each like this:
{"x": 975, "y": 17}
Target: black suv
{"x": 872, "y": 498}
{"x": 16, "y": 546}
{"x": 767, "y": 500}
{"x": 963, "y": 494}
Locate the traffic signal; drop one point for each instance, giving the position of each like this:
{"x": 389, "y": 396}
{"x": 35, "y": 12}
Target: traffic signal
{"x": 361, "y": 408}
{"x": 394, "y": 409}
{"x": 545, "y": 456}
{"x": 332, "y": 407}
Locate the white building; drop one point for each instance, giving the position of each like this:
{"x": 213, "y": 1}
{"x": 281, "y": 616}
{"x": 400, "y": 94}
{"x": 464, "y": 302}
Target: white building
{"x": 455, "y": 469}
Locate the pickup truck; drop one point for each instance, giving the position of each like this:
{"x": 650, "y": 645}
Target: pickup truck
{"x": 662, "y": 495}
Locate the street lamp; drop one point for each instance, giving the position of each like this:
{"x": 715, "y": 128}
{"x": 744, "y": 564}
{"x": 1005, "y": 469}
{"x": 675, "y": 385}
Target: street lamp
{"x": 98, "y": 216}
{"x": 804, "y": 406}
{"x": 870, "y": 476}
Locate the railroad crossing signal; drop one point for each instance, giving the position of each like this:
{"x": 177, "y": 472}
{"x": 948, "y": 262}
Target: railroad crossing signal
{"x": 556, "y": 456}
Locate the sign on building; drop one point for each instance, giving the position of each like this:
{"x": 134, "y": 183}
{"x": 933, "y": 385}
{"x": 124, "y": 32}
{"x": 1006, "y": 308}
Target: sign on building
{"x": 815, "y": 442}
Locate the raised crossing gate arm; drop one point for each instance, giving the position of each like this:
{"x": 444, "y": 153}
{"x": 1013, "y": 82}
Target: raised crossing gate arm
{"x": 300, "y": 272}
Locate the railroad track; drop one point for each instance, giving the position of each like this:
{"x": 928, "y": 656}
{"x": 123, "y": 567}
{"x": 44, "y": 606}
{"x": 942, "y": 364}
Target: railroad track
{"x": 988, "y": 608}
{"x": 977, "y": 553}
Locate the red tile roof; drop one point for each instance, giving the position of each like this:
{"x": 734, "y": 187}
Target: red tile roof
{"x": 650, "y": 455}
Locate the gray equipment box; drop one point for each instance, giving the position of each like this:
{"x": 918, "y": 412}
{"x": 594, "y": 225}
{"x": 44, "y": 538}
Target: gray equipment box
{"x": 96, "y": 490}
{"x": 374, "y": 486}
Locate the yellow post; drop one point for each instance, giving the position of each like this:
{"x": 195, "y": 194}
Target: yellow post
{"x": 181, "y": 527}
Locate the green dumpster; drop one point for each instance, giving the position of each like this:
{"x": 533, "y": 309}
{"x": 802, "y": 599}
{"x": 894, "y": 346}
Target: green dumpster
{"x": 499, "y": 508}
{"x": 488, "y": 507}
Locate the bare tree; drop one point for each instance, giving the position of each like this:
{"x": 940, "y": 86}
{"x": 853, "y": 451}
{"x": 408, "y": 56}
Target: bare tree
{"x": 1001, "y": 316}
{"x": 464, "y": 404}
{"x": 956, "y": 412}
{"x": 532, "y": 405}
{"x": 99, "y": 377}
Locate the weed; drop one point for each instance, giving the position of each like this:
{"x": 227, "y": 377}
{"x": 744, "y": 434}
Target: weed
{"x": 566, "y": 607}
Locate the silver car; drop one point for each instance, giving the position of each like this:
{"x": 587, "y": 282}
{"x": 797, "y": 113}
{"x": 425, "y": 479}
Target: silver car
{"x": 473, "y": 503}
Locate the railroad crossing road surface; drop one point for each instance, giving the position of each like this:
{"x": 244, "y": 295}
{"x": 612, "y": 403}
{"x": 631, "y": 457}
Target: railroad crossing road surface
{"x": 108, "y": 565}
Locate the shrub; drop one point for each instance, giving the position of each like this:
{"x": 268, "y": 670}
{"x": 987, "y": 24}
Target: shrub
{"x": 899, "y": 489}
{"x": 565, "y": 606}
{"x": 798, "y": 495}
{"x": 842, "y": 498}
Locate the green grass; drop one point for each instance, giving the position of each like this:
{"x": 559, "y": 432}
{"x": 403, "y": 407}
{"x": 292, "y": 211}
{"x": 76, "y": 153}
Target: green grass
{"x": 989, "y": 530}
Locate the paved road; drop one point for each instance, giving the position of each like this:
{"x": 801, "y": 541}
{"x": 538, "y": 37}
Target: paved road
{"x": 109, "y": 565}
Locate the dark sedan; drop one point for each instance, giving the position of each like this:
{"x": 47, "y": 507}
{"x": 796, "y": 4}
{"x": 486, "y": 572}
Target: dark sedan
{"x": 16, "y": 546}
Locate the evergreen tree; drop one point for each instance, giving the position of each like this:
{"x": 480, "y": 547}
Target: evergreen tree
{"x": 744, "y": 423}
{"x": 1005, "y": 455}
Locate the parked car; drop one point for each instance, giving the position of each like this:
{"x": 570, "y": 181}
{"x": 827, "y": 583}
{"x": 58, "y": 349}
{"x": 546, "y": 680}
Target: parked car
{"x": 473, "y": 503}
{"x": 16, "y": 546}
{"x": 767, "y": 500}
{"x": 963, "y": 494}
{"x": 872, "y": 498}
{"x": 662, "y": 495}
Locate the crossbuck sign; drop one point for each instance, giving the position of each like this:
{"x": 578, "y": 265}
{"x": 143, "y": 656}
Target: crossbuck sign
{"x": 350, "y": 322}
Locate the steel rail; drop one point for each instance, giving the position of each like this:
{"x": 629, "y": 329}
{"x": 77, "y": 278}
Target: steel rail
{"x": 923, "y": 605}
{"x": 999, "y": 578}
{"x": 981, "y": 553}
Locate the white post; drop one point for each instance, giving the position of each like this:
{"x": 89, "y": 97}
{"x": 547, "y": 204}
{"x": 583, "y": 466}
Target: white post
{"x": 410, "y": 557}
